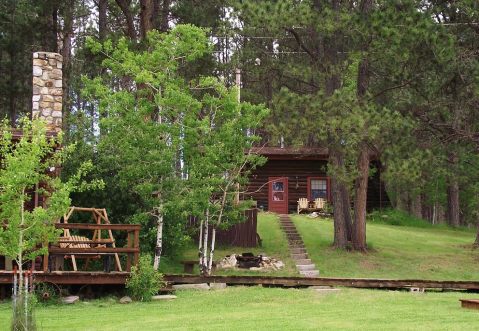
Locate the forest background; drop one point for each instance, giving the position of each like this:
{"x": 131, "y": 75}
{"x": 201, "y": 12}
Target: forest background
{"x": 399, "y": 78}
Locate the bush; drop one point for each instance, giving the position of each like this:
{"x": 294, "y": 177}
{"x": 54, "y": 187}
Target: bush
{"x": 144, "y": 281}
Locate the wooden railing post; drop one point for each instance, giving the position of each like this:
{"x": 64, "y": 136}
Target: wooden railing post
{"x": 128, "y": 257}
{"x": 137, "y": 245}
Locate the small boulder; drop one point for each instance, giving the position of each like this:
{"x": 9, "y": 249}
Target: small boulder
{"x": 228, "y": 262}
{"x": 218, "y": 286}
{"x": 126, "y": 299}
{"x": 202, "y": 286}
{"x": 69, "y": 300}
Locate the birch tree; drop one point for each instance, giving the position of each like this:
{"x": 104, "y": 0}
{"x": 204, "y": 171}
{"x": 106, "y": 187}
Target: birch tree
{"x": 218, "y": 161}
{"x": 156, "y": 128}
{"x": 28, "y": 167}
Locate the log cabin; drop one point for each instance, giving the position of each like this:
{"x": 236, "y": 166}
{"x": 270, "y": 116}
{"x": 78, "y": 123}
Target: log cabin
{"x": 294, "y": 173}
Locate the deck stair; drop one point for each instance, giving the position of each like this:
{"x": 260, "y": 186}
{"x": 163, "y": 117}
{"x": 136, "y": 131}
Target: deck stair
{"x": 296, "y": 247}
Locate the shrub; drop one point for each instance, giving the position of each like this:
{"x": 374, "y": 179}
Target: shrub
{"x": 144, "y": 280}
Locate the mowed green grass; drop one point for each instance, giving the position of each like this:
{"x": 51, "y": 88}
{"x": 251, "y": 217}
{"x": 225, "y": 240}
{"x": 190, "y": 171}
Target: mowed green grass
{"x": 397, "y": 252}
{"x": 256, "y": 308}
{"x": 415, "y": 251}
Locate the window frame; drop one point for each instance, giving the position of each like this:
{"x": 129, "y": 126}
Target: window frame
{"x": 328, "y": 187}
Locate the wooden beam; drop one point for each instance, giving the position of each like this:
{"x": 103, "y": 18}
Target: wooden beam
{"x": 91, "y": 250}
{"x": 104, "y": 227}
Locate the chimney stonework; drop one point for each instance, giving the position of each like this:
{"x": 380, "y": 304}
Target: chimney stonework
{"x": 47, "y": 89}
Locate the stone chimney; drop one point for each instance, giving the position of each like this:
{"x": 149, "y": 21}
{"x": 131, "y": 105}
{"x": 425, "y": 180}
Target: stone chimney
{"x": 47, "y": 89}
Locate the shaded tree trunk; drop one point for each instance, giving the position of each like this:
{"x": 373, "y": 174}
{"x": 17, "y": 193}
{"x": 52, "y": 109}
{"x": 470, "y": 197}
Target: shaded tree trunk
{"x": 165, "y": 14}
{"x": 452, "y": 192}
{"x": 476, "y": 242}
{"x": 147, "y": 19}
{"x": 360, "y": 200}
{"x": 340, "y": 226}
{"x": 361, "y": 183}
{"x": 130, "y": 26}
{"x": 347, "y": 211}
{"x": 453, "y": 205}
{"x": 102, "y": 20}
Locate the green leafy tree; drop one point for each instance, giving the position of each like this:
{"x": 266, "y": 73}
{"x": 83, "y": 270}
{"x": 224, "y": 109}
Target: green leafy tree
{"x": 26, "y": 163}
{"x": 217, "y": 140}
{"x": 325, "y": 55}
{"x": 153, "y": 134}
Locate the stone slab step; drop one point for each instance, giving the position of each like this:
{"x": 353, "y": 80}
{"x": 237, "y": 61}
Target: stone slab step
{"x": 310, "y": 273}
{"x": 299, "y": 256}
{"x": 288, "y": 227}
{"x": 302, "y": 261}
{"x": 296, "y": 244}
{"x": 297, "y": 250}
{"x": 305, "y": 267}
{"x": 294, "y": 237}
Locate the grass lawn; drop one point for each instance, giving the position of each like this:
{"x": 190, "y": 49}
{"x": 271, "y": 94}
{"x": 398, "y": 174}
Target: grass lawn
{"x": 400, "y": 248}
{"x": 409, "y": 249}
{"x": 417, "y": 251}
{"x": 255, "y": 308}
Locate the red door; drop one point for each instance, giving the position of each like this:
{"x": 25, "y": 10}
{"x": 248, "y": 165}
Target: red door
{"x": 278, "y": 195}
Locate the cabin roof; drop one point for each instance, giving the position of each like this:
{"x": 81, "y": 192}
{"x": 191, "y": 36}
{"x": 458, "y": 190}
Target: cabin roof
{"x": 300, "y": 153}
{"x": 292, "y": 153}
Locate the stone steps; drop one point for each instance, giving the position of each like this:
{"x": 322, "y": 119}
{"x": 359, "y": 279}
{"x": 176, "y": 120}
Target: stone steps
{"x": 303, "y": 261}
{"x": 310, "y": 273}
{"x": 297, "y": 250}
{"x": 296, "y": 246}
{"x": 299, "y": 256}
{"x": 305, "y": 267}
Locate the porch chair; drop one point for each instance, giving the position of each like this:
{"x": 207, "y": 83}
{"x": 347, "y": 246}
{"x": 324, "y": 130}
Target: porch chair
{"x": 319, "y": 203}
{"x": 302, "y": 204}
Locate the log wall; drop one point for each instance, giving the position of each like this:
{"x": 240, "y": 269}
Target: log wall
{"x": 298, "y": 172}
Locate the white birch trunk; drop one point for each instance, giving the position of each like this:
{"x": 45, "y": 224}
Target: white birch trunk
{"x": 200, "y": 243}
{"x": 204, "y": 256}
{"x": 212, "y": 249}
{"x": 20, "y": 250}
{"x": 159, "y": 240}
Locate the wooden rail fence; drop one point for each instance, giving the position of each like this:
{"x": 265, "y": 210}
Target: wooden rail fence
{"x": 244, "y": 234}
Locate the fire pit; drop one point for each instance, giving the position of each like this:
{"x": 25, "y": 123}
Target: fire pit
{"x": 248, "y": 260}
{"x": 251, "y": 262}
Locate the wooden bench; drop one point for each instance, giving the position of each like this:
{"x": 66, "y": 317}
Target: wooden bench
{"x": 83, "y": 242}
{"x": 107, "y": 258}
{"x": 190, "y": 266}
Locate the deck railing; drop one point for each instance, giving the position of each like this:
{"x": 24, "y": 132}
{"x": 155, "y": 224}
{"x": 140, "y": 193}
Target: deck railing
{"x": 132, "y": 250}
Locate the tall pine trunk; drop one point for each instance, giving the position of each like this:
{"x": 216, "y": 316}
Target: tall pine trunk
{"x": 452, "y": 192}
{"x": 360, "y": 201}
{"x": 340, "y": 227}
{"x": 361, "y": 183}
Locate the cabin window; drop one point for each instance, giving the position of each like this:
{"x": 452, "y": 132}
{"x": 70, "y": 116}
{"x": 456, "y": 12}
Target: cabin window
{"x": 319, "y": 187}
{"x": 278, "y": 191}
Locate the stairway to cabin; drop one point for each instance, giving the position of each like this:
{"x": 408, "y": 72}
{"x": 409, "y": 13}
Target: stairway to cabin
{"x": 297, "y": 249}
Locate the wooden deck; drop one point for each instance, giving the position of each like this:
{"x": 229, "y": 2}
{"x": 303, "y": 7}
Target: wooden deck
{"x": 321, "y": 281}
{"x": 71, "y": 277}
{"x": 115, "y": 277}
